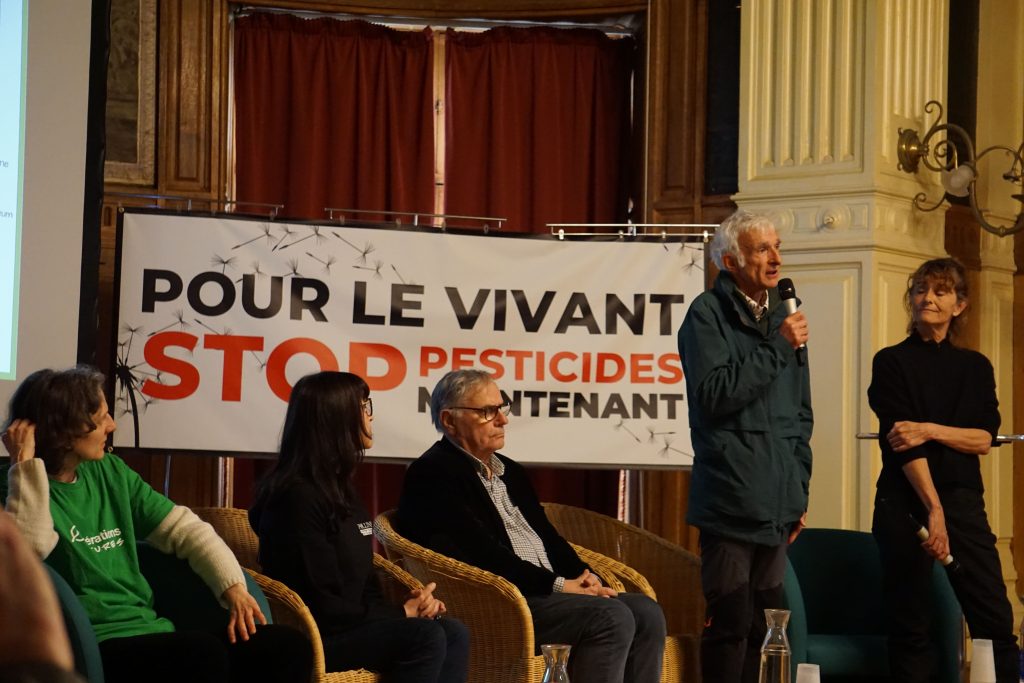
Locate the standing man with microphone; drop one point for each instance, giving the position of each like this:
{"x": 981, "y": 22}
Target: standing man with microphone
{"x": 750, "y": 423}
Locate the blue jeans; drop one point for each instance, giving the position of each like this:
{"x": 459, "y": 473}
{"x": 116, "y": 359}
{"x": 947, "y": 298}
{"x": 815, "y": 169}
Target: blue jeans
{"x": 613, "y": 639}
{"x": 403, "y": 650}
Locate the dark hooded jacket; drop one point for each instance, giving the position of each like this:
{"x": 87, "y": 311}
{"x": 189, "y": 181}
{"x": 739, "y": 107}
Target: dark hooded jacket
{"x": 750, "y": 418}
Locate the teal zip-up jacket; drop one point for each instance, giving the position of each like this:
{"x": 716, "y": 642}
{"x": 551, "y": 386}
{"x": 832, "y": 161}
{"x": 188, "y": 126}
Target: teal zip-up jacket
{"x": 750, "y": 418}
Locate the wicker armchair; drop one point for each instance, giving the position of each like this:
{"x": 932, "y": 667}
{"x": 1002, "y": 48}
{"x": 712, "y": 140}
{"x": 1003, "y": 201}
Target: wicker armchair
{"x": 665, "y": 569}
{"x": 496, "y": 612}
{"x": 624, "y": 578}
{"x": 502, "y": 644}
{"x": 232, "y": 524}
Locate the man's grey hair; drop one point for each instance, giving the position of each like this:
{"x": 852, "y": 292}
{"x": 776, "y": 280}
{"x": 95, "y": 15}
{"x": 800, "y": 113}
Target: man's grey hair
{"x": 726, "y": 240}
{"x": 453, "y": 389}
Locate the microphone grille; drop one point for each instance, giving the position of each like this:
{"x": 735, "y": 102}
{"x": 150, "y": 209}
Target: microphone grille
{"x": 786, "y": 288}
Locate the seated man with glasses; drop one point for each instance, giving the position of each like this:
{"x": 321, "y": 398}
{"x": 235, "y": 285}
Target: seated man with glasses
{"x": 463, "y": 499}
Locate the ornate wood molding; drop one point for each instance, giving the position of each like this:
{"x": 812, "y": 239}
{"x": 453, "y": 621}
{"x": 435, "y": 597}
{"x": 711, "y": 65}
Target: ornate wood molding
{"x": 505, "y": 9}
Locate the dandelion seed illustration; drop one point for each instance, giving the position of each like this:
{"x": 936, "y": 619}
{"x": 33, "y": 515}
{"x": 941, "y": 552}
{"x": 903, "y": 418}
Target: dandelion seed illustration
{"x": 364, "y": 251}
{"x": 652, "y": 435}
{"x": 326, "y": 264}
{"x": 144, "y": 373}
{"x": 224, "y": 263}
{"x": 262, "y": 363}
{"x": 257, "y": 271}
{"x": 696, "y": 258}
{"x": 146, "y": 403}
{"x": 664, "y": 451}
{"x": 622, "y": 425}
{"x": 293, "y": 268}
{"x": 128, "y": 384}
{"x": 131, "y": 332}
{"x": 314, "y": 235}
{"x": 207, "y": 327}
{"x": 400, "y": 278}
{"x": 376, "y": 268}
{"x": 179, "y": 320}
{"x": 287, "y": 232}
{"x": 266, "y": 233}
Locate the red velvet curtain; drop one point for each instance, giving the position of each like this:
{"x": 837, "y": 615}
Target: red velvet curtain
{"x": 538, "y": 126}
{"x": 333, "y": 114}
{"x": 538, "y": 131}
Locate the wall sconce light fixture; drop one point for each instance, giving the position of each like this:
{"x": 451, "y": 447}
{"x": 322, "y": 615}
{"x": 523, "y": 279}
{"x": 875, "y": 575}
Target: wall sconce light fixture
{"x": 958, "y": 175}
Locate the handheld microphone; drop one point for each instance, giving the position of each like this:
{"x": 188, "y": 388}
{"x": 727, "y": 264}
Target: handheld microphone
{"x": 951, "y": 564}
{"x": 788, "y": 293}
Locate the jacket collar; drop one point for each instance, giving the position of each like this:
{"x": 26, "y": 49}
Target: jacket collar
{"x": 726, "y": 289}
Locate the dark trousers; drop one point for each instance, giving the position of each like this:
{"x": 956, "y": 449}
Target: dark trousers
{"x": 274, "y": 654}
{"x": 740, "y": 580}
{"x": 403, "y": 650}
{"x": 979, "y": 586}
{"x": 613, "y": 639}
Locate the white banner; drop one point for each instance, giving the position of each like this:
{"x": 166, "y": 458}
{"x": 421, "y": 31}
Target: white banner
{"x": 219, "y": 317}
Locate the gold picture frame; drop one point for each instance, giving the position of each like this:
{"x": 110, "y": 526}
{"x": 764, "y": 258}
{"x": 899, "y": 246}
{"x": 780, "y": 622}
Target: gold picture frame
{"x": 131, "y": 94}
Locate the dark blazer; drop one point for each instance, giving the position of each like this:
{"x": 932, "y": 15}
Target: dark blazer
{"x": 445, "y": 507}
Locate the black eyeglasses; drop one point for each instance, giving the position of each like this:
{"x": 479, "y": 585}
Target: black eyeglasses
{"x": 368, "y": 407}
{"x": 487, "y": 413}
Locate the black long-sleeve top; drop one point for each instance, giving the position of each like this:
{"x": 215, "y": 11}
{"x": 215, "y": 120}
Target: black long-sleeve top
{"x": 326, "y": 560}
{"x": 924, "y": 381}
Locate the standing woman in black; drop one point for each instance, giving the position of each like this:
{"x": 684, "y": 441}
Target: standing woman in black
{"x": 937, "y": 411}
{"x": 315, "y": 536}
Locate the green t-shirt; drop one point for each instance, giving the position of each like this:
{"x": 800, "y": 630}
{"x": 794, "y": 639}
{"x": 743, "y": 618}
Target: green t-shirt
{"x": 98, "y": 518}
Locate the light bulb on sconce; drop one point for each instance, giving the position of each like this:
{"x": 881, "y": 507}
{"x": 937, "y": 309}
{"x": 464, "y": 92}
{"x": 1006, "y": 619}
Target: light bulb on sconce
{"x": 958, "y": 176}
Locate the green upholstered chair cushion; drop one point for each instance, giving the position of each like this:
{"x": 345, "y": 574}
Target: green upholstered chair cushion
{"x": 83, "y": 641}
{"x": 833, "y": 586}
{"x": 181, "y": 595}
{"x": 864, "y": 655}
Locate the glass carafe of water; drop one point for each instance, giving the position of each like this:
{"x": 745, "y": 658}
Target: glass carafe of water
{"x": 775, "y": 652}
{"x": 556, "y": 663}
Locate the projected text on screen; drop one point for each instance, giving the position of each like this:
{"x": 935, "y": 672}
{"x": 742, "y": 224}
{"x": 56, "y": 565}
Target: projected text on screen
{"x": 12, "y": 128}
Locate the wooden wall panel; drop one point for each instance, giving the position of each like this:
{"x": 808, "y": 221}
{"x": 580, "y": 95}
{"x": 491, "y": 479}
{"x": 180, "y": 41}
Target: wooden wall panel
{"x": 674, "y": 190}
{"x": 674, "y": 122}
{"x": 191, "y": 98}
{"x": 192, "y": 79}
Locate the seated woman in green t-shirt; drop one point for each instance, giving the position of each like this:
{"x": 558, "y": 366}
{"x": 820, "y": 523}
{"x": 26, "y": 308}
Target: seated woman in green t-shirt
{"x": 82, "y": 510}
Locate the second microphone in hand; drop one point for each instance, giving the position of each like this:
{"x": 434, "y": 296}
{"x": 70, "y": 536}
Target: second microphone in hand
{"x": 787, "y": 292}
{"x": 951, "y": 564}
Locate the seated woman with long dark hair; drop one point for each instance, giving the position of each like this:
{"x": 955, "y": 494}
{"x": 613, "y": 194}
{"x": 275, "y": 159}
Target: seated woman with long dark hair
{"x": 315, "y": 536}
{"x": 83, "y": 510}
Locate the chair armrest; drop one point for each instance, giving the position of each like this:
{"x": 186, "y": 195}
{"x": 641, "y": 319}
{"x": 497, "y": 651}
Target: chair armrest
{"x": 796, "y": 630}
{"x": 670, "y": 569}
{"x": 80, "y": 632}
{"x": 616, "y": 574}
{"x": 395, "y": 582}
{"x": 496, "y": 613}
{"x": 289, "y": 609}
